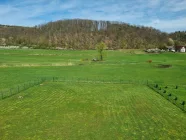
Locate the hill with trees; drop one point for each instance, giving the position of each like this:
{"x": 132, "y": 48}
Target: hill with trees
{"x": 85, "y": 34}
{"x": 179, "y": 38}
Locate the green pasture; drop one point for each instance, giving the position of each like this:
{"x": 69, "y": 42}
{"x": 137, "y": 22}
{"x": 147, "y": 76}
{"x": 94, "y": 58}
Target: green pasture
{"x": 18, "y": 66}
{"x": 106, "y": 109}
{"x": 57, "y": 110}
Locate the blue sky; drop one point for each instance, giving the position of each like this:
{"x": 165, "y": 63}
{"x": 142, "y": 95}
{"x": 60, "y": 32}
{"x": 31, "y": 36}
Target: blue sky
{"x": 165, "y": 15}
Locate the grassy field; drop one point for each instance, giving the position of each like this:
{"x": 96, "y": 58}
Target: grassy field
{"x": 24, "y": 65}
{"x": 76, "y": 110}
{"x": 92, "y": 111}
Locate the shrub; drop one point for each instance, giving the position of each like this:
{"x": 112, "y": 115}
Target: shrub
{"x": 175, "y": 98}
{"x": 156, "y": 86}
{"x": 183, "y": 103}
{"x": 149, "y": 61}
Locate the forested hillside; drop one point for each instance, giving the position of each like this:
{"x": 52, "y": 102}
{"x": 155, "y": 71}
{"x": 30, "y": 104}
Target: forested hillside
{"x": 179, "y": 37}
{"x": 83, "y": 34}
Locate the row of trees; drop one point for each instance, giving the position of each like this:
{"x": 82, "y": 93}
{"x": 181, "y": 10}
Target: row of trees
{"x": 83, "y": 34}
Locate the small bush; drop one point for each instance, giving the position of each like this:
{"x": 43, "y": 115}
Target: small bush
{"x": 183, "y": 103}
{"x": 149, "y": 61}
{"x": 156, "y": 86}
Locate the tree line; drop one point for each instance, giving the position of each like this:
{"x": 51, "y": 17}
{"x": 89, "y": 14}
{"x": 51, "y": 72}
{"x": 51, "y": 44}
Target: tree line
{"x": 85, "y": 34}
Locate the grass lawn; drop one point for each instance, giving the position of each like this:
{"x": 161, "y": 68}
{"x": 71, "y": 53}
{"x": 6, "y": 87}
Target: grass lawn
{"x": 72, "y": 110}
{"x": 57, "y": 110}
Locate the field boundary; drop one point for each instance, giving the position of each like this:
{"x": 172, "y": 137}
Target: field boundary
{"x": 168, "y": 96}
{"x": 151, "y": 84}
{"x": 5, "y": 93}
{"x": 22, "y": 87}
{"x": 91, "y": 80}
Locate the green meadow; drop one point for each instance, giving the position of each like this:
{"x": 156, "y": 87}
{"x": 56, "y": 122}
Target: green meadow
{"x": 105, "y": 99}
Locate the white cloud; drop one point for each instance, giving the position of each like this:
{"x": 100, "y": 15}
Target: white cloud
{"x": 169, "y": 25}
{"x": 179, "y": 6}
{"x": 26, "y": 12}
{"x": 33, "y": 12}
{"x": 174, "y": 5}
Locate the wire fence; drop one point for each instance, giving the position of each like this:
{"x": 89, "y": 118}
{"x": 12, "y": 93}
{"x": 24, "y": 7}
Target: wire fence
{"x": 151, "y": 84}
{"x": 97, "y": 80}
{"x": 169, "y": 96}
{"x": 19, "y": 88}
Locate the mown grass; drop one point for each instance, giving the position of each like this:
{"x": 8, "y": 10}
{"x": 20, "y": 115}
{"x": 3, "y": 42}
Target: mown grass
{"x": 90, "y": 111}
{"x": 22, "y": 65}
{"x": 175, "y": 90}
{"x": 72, "y": 110}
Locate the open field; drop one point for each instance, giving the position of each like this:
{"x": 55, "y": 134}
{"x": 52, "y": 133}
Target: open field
{"x": 24, "y": 65}
{"x": 91, "y": 110}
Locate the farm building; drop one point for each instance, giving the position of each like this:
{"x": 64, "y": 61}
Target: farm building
{"x": 180, "y": 48}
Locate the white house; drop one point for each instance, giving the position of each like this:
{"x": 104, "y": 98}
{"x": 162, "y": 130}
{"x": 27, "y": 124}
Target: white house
{"x": 182, "y": 49}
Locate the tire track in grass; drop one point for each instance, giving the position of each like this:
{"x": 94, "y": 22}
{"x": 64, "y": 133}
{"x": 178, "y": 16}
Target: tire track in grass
{"x": 44, "y": 102}
{"x": 126, "y": 113}
{"x": 164, "y": 113}
{"x": 133, "y": 120}
{"x": 147, "y": 109}
{"x": 113, "y": 112}
{"x": 15, "y": 102}
{"x": 123, "y": 121}
{"x": 158, "y": 123}
{"x": 174, "y": 122}
{"x": 147, "y": 115}
{"x": 137, "y": 117}
{"x": 142, "y": 125}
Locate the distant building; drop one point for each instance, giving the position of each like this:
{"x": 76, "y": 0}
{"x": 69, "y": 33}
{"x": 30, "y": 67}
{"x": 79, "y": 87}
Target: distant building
{"x": 180, "y": 48}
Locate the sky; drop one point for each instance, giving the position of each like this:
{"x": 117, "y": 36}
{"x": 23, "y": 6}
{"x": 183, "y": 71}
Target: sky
{"x": 164, "y": 15}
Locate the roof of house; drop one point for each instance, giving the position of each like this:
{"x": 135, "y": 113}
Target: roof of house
{"x": 179, "y": 47}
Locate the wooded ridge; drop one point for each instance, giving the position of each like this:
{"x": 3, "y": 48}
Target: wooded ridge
{"x": 85, "y": 34}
